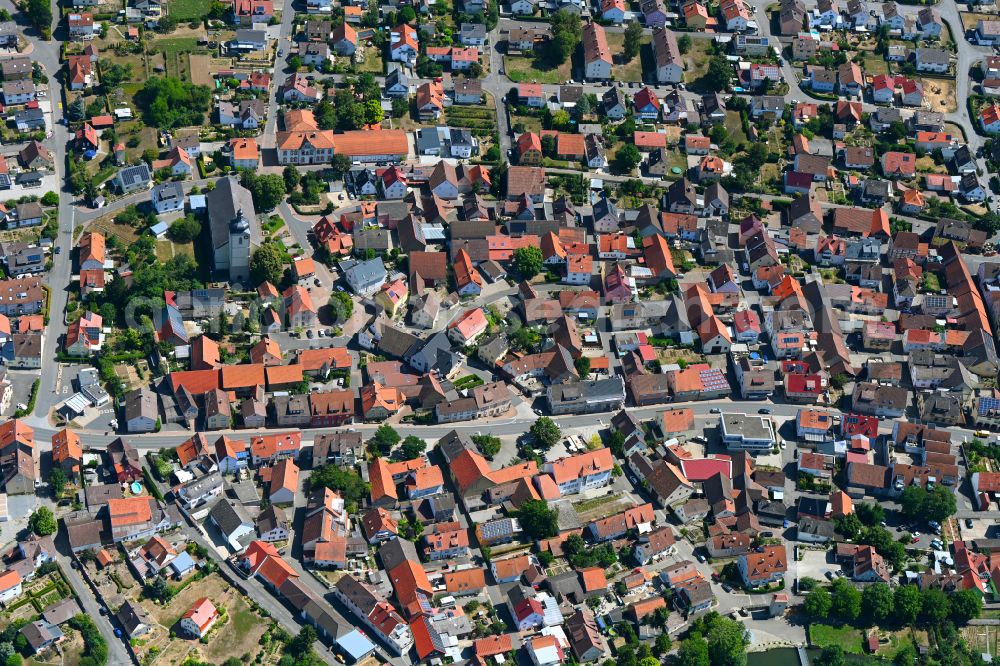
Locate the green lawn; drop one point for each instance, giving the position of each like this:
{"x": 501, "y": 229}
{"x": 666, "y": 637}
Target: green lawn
{"x": 176, "y": 45}
{"x": 188, "y": 10}
{"x": 372, "y": 63}
{"x": 244, "y": 621}
{"x": 531, "y": 123}
{"x": 848, "y": 638}
{"x": 874, "y": 65}
{"x": 528, "y": 70}
{"x": 734, "y": 123}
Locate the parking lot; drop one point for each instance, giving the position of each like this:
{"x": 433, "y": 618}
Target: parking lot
{"x": 816, "y": 564}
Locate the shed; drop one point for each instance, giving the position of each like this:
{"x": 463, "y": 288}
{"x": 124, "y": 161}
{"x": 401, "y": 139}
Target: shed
{"x": 355, "y": 646}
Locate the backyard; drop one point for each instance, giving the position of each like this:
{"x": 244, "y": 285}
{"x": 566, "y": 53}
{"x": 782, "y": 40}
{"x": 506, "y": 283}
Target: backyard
{"x": 696, "y": 59}
{"x": 538, "y": 69}
{"x": 188, "y": 10}
{"x": 847, "y": 637}
{"x": 622, "y": 70}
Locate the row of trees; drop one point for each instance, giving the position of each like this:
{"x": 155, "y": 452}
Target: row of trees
{"x": 878, "y": 604}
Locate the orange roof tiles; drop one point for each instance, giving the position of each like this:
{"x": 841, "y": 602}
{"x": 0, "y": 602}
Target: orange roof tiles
{"x": 593, "y": 578}
{"x": 282, "y": 375}
{"x": 464, "y": 581}
{"x": 242, "y": 376}
{"x": 129, "y": 511}
{"x": 66, "y": 446}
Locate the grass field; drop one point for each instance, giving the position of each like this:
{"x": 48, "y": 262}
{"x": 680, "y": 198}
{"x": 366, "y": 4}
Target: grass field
{"x": 531, "y": 123}
{"x": 874, "y": 65}
{"x": 188, "y": 10}
{"x": 175, "y": 58}
{"x": 848, "y": 638}
{"x": 167, "y": 250}
{"x": 373, "y": 62}
{"x": 735, "y": 126}
{"x": 239, "y": 636}
{"x": 107, "y": 226}
{"x": 527, "y": 70}
{"x": 623, "y": 70}
{"x": 696, "y": 59}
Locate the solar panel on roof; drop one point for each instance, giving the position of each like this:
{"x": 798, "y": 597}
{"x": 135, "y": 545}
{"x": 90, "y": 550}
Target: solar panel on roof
{"x": 988, "y": 405}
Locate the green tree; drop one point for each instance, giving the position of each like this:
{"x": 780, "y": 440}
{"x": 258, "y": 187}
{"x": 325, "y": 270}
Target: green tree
{"x": 684, "y": 43}
{"x": 347, "y": 482}
{"x": 50, "y": 199}
{"x": 719, "y": 74}
{"x": 76, "y": 110}
{"x": 633, "y": 40}
{"x": 186, "y": 229}
{"x": 845, "y": 600}
{"x": 42, "y": 522}
{"x": 170, "y": 102}
{"x": 342, "y": 305}
{"x": 627, "y": 158}
{"x": 934, "y": 607}
{"x": 727, "y": 641}
{"x": 869, "y": 513}
{"x": 911, "y": 502}
{"x": 693, "y": 652}
{"x": 267, "y": 264}
{"x": 407, "y": 15}
{"x": 649, "y": 661}
{"x": 373, "y": 112}
{"x": 267, "y": 190}
{"x": 662, "y": 644}
{"x": 291, "y": 177}
{"x": 57, "y": 481}
{"x": 818, "y": 603}
{"x": 939, "y": 504}
{"x": 302, "y": 644}
{"x": 158, "y": 589}
{"x": 412, "y": 447}
{"x": 489, "y": 445}
{"x": 114, "y": 74}
{"x": 537, "y": 520}
{"x": 326, "y": 117}
{"x": 384, "y": 439}
{"x": 906, "y": 604}
{"x": 877, "y": 603}
{"x": 567, "y": 32}
{"x": 832, "y": 655}
{"x": 582, "y": 366}
{"x": 850, "y": 525}
{"x": 39, "y": 12}
{"x": 545, "y": 433}
{"x": 965, "y": 605}
{"x": 341, "y": 164}
{"x": 528, "y": 261}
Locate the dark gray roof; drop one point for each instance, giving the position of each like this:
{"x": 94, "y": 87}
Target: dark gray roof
{"x": 131, "y": 615}
{"x": 270, "y": 518}
{"x": 396, "y": 551}
{"x": 61, "y": 611}
{"x": 138, "y": 173}
{"x": 229, "y": 516}
{"x": 397, "y": 342}
{"x": 225, "y": 203}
